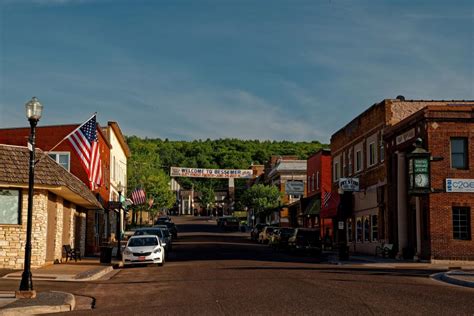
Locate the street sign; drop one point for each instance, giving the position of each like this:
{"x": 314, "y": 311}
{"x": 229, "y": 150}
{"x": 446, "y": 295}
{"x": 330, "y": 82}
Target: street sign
{"x": 294, "y": 187}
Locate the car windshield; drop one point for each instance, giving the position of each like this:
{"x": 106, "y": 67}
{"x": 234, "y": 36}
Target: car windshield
{"x": 287, "y": 231}
{"x": 156, "y": 232}
{"x": 143, "y": 242}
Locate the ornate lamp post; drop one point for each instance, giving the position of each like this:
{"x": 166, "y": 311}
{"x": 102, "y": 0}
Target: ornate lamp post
{"x": 119, "y": 222}
{"x": 33, "y": 113}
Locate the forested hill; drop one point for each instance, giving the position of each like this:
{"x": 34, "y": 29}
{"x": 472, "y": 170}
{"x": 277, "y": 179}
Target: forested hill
{"x": 220, "y": 153}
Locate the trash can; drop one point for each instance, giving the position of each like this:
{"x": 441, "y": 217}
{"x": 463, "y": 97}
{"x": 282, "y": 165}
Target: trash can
{"x": 105, "y": 254}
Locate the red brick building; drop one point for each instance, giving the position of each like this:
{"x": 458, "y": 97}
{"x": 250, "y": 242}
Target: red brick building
{"x": 359, "y": 155}
{"x": 46, "y": 138}
{"x": 437, "y": 226}
{"x": 319, "y": 191}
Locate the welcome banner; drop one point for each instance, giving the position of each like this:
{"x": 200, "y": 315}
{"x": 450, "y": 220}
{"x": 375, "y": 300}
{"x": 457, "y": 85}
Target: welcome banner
{"x": 210, "y": 173}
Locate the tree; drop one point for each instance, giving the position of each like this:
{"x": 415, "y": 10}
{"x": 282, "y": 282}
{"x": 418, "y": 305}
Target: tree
{"x": 261, "y": 198}
{"x": 207, "y": 197}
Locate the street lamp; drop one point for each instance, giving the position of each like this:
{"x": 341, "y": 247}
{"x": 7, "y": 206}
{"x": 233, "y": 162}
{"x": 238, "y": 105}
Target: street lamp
{"x": 33, "y": 112}
{"x": 119, "y": 222}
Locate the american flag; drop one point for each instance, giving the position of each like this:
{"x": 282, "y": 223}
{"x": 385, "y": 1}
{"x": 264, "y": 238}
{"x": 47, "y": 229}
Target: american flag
{"x": 86, "y": 145}
{"x": 138, "y": 196}
{"x": 326, "y": 198}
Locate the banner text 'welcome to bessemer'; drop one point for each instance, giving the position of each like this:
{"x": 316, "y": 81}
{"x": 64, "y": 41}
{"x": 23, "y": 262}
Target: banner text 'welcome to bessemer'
{"x": 210, "y": 173}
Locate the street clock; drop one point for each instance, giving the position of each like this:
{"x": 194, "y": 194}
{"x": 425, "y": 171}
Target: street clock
{"x": 419, "y": 181}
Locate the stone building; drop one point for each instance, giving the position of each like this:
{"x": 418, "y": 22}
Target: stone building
{"x": 60, "y": 204}
{"x": 435, "y": 226}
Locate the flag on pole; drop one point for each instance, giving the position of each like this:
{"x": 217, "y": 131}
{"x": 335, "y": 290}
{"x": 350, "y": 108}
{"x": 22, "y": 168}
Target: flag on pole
{"x": 138, "y": 196}
{"x": 86, "y": 145}
{"x": 326, "y": 198}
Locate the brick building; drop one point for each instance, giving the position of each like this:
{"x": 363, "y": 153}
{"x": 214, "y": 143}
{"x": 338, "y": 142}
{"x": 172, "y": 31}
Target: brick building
{"x": 358, "y": 155}
{"x": 60, "y": 204}
{"x": 319, "y": 190}
{"x": 437, "y": 226}
{"x": 98, "y": 223}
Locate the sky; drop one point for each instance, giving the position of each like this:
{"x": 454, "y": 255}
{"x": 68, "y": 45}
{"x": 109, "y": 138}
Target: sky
{"x": 264, "y": 69}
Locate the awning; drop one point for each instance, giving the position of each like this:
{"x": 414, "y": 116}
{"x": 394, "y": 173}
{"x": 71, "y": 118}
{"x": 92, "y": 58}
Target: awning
{"x": 313, "y": 207}
{"x": 330, "y": 209}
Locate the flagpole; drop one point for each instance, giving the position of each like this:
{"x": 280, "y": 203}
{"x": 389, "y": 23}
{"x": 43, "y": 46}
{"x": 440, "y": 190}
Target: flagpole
{"x": 95, "y": 113}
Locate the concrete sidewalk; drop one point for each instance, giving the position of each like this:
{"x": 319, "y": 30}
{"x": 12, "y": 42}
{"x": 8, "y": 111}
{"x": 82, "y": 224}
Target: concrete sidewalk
{"x": 456, "y": 273}
{"x": 87, "y": 269}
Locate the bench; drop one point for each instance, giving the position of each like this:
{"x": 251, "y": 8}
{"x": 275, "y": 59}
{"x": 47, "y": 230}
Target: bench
{"x": 385, "y": 250}
{"x": 72, "y": 253}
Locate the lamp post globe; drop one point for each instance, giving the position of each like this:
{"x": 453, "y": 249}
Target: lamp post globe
{"x": 34, "y": 111}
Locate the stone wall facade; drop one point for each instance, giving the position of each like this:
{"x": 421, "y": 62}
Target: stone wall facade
{"x": 13, "y": 237}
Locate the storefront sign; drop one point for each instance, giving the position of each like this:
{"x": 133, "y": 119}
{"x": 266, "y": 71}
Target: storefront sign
{"x": 294, "y": 187}
{"x": 210, "y": 173}
{"x": 460, "y": 185}
{"x": 340, "y": 225}
{"x": 349, "y": 184}
{"x": 405, "y": 137}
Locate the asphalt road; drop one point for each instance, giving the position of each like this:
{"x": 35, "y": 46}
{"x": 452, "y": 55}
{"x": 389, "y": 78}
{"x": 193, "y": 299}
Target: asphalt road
{"x": 218, "y": 273}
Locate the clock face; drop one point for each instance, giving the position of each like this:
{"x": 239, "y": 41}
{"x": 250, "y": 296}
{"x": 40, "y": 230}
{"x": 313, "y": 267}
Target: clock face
{"x": 421, "y": 180}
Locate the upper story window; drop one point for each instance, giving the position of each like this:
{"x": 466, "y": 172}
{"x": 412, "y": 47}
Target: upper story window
{"x": 10, "y": 207}
{"x": 317, "y": 180}
{"x": 349, "y": 161}
{"x": 459, "y": 153}
{"x": 382, "y": 148}
{"x": 62, "y": 158}
{"x": 371, "y": 155}
{"x": 336, "y": 170}
{"x": 358, "y": 160}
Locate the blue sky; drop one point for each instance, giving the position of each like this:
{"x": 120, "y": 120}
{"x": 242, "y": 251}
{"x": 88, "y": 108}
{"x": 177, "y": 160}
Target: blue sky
{"x": 294, "y": 70}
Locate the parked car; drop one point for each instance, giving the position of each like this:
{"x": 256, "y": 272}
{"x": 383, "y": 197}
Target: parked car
{"x": 256, "y": 231}
{"x": 280, "y": 238}
{"x": 171, "y": 227}
{"x": 144, "y": 249}
{"x": 166, "y": 236}
{"x": 264, "y": 236}
{"x": 306, "y": 239}
{"x": 157, "y": 231}
{"x": 230, "y": 223}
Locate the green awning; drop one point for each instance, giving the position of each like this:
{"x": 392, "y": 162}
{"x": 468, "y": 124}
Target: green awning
{"x": 314, "y": 207}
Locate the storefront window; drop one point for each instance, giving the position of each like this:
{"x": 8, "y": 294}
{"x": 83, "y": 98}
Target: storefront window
{"x": 350, "y": 236}
{"x": 375, "y": 232}
{"x": 359, "y": 229}
{"x": 366, "y": 228}
{"x": 10, "y": 207}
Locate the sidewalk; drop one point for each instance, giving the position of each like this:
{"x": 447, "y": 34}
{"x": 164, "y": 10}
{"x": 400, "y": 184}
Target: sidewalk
{"x": 87, "y": 269}
{"x": 461, "y": 274}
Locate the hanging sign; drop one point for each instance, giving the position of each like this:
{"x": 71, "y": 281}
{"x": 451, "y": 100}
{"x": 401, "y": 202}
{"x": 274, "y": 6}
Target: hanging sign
{"x": 294, "y": 187}
{"x": 349, "y": 184}
{"x": 211, "y": 173}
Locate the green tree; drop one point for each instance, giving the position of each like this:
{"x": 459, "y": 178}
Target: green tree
{"x": 207, "y": 197}
{"x": 261, "y": 198}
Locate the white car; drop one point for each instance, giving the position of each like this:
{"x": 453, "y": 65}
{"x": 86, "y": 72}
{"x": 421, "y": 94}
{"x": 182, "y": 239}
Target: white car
{"x": 143, "y": 249}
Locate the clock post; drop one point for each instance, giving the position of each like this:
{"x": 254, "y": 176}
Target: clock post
{"x": 419, "y": 178}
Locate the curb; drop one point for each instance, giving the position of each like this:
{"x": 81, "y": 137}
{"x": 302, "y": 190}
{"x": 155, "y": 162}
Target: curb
{"x": 444, "y": 277}
{"x": 68, "y": 305}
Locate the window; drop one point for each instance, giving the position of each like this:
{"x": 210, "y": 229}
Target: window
{"x": 350, "y": 236}
{"x": 114, "y": 166}
{"x": 349, "y": 158}
{"x": 382, "y": 149}
{"x": 372, "y": 157}
{"x": 462, "y": 223}
{"x": 375, "y": 231}
{"x": 366, "y": 228}
{"x": 344, "y": 165}
{"x": 317, "y": 180}
{"x": 359, "y": 229}
{"x": 309, "y": 184}
{"x": 336, "y": 171}
{"x": 358, "y": 160}
{"x": 10, "y": 207}
{"x": 459, "y": 153}
{"x": 62, "y": 158}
